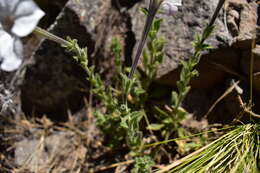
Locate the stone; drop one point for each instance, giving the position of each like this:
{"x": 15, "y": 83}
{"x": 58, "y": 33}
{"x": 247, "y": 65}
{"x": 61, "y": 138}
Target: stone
{"x": 256, "y": 68}
{"x": 179, "y": 30}
{"x": 246, "y": 24}
{"x": 53, "y": 83}
{"x": 212, "y": 69}
{"x": 8, "y": 106}
{"x": 245, "y": 61}
{"x": 56, "y": 151}
{"x": 232, "y": 43}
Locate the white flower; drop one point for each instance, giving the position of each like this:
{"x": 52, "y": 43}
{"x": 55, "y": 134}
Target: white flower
{"x": 169, "y": 7}
{"x": 18, "y": 18}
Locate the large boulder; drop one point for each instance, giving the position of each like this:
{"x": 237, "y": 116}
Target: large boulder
{"x": 235, "y": 29}
{"x": 54, "y": 83}
{"x": 230, "y": 57}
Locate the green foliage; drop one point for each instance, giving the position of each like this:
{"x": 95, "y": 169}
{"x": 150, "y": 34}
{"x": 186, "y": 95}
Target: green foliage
{"x": 117, "y": 121}
{"x": 123, "y": 105}
{"x": 169, "y": 120}
{"x": 188, "y": 71}
{"x": 153, "y": 54}
{"x": 81, "y": 54}
{"x": 143, "y": 165}
{"x": 130, "y": 122}
{"x": 120, "y": 120}
{"x": 116, "y": 49}
{"x": 109, "y": 120}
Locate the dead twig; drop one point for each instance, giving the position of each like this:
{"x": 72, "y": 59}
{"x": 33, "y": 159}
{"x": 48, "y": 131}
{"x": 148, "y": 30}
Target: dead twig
{"x": 228, "y": 91}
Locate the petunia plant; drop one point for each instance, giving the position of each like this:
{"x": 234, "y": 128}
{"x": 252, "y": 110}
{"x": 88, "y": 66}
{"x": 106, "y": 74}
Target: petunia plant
{"x": 18, "y": 18}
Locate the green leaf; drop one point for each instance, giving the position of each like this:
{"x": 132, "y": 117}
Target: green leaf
{"x": 208, "y": 31}
{"x": 145, "y": 58}
{"x": 185, "y": 90}
{"x": 145, "y": 11}
{"x": 181, "y": 115}
{"x": 194, "y": 73}
{"x": 157, "y": 24}
{"x": 167, "y": 120}
{"x": 155, "y": 127}
{"x": 161, "y": 112}
{"x": 180, "y": 86}
{"x": 174, "y": 98}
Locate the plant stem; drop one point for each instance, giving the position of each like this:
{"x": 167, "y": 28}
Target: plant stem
{"x": 44, "y": 33}
{"x": 253, "y": 45}
{"x": 215, "y": 15}
{"x": 153, "y": 7}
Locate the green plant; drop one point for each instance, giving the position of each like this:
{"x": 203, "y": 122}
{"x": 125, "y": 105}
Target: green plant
{"x": 170, "y": 119}
{"x": 236, "y": 151}
{"x": 142, "y": 164}
{"x": 153, "y": 54}
{"x": 117, "y": 121}
{"x": 150, "y": 12}
{"x": 123, "y": 104}
{"x": 120, "y": 120}
{"x": 116, "y": 50}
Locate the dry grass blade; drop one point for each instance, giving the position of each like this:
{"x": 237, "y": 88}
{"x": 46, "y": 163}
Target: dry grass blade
{"x": 103, "y": 168}
{"x": 229, "y": 90}
{"x": 236, "y": 151}
{"x": 179, "y": 162}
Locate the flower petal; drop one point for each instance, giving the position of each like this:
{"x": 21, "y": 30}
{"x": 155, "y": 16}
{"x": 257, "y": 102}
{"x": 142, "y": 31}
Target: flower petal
{"x": 6, "y": 43}
{"x": 11, "y": 63}
{"x": 176, "y": 2}
{"x": 11, "y": 52}
{"x": 168, "y": 8}
{"x": 8, "y": 6}
{"x": 18, "y": 47}
{"x": 27, "y": 16}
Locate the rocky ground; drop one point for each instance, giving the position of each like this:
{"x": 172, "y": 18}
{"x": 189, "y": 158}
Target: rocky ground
{"x": 46, "y": 122}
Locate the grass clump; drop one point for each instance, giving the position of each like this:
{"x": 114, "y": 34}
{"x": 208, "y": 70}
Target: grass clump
{"x": 236, "y": 151}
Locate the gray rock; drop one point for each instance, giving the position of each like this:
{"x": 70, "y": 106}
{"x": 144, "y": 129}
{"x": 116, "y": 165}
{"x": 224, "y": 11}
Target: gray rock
{"x": 181, "y": 28}
{"x": 232, "y": 40}
{"x": 53, "y": 83}
{"x": 7, "y": 104}
{"x": 55, "y": 152}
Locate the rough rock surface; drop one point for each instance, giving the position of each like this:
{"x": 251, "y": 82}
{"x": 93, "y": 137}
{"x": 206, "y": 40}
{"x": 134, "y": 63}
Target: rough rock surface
{"x": 53, "y": 83}
{"x": 235, "y": 30}
{"x": 7, "y": 105}
{"x": 179, "y": 30}
{"x": 58, "y": 152}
